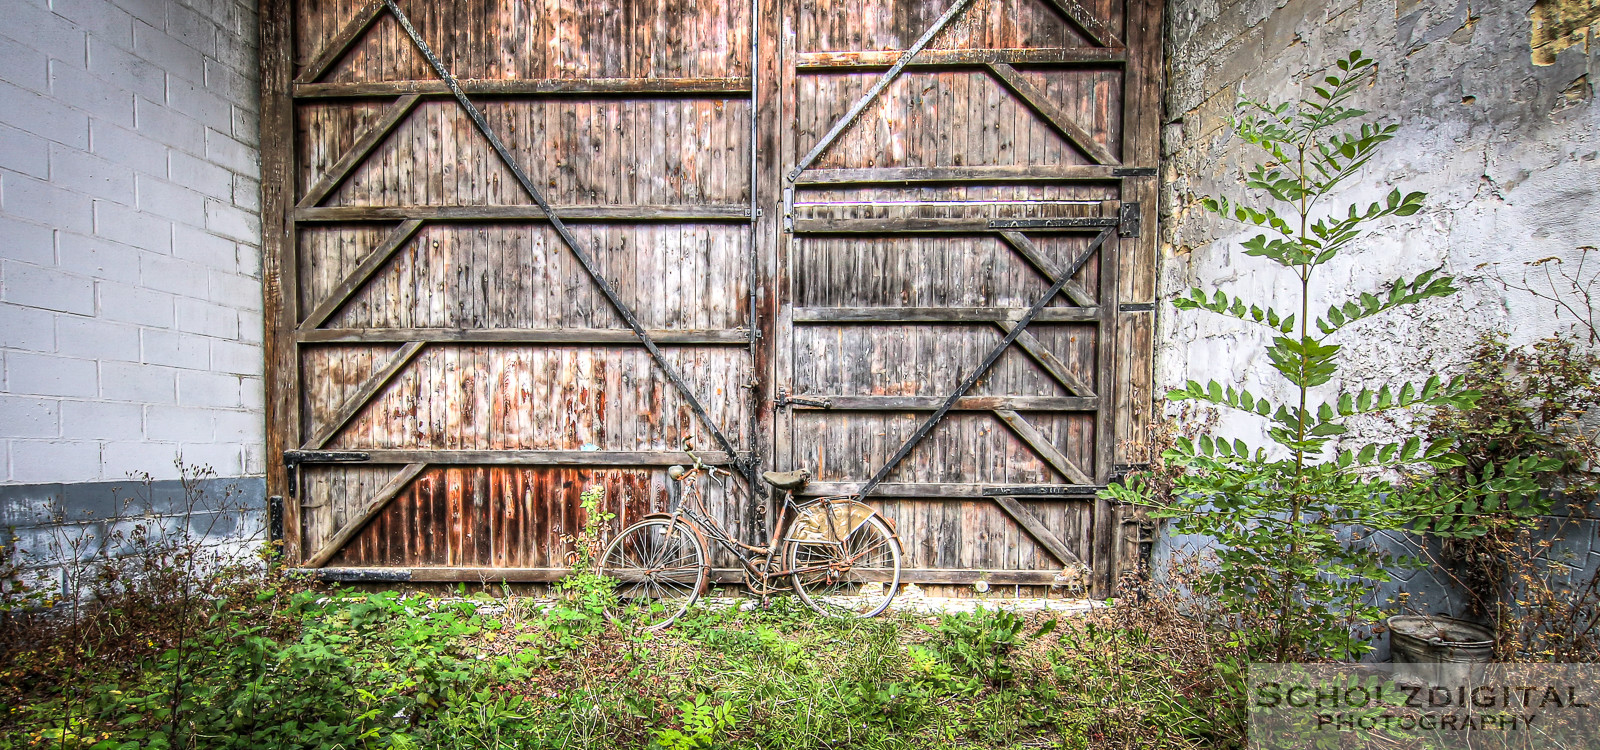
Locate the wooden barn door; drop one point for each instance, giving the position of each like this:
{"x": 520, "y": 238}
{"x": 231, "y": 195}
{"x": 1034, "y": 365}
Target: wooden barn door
{"x": 946, "y": 164}
{"x": 509, "y": 257}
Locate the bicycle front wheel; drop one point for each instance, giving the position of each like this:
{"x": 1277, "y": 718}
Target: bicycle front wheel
{"x": 660, "y": 566}
{"x": 857, "y": 577}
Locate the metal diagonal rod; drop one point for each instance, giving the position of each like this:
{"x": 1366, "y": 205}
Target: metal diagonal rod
{"x": 566, "y": 236}
{"x": 994, "y": 356}
{"x": 877, "y": 88}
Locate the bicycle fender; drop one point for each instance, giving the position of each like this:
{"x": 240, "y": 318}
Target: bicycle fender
{"x": 828, "y": 521}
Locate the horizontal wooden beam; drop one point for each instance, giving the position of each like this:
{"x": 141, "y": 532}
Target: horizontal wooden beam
{"x": 951, "y": 490}
{"x": 528, "y": 213}
{"x": 719, "y": 87}
{"x": 941, "y": 314}
{"x": 961, "y": 226}
{"x": 536, "y": 457}
{"x": 844, "y": 61}
{"x": 464, "y": 574}
{"x": 537, "y": 336}
{"x": 1005, "y": 174}
{"x": 930, "y": 403}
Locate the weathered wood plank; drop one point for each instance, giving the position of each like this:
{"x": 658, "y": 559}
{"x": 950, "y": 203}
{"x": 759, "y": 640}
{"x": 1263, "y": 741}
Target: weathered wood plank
{"x": 528, "y": 213}
{"x": 443, "y": 574}
{"x": 562, "y": 87}
{"x": 804, "y": 315}
{"x": 340, "y": 43}
{"x": 363, "y": 395}
{"x": 943, "y": 58}
{"x": 362, "y": 272}
{"x": 978, "y": 174}
{"x": 1051, "y": 112}
{"x": 929, "y": 403}
{"x": 358, "y": 151}
{"x": 539, "y": 457}
{"x": 280, "y": 269}
{"x": 1034, "y": 348}
{"x": 1036, "y": 529}
{"x": 373, "y": 505}
{"x": 941, "y": 224}
{"x": 1031, "y": 253}
{"x": 1042, "y": 446}
{"x": 1086, "y": 21}
{"x": 536, "y": 336}
{"x": 946, "y": 490}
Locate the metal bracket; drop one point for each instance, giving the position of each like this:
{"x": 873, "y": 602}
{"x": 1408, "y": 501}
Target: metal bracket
{"x": 784, "y": 399}
{"x": 1130, "y": 217}
{"x": 293, "y": 459}
{"x": 1080, "y": 222}
{"x": 1077, "y": 490}
{"x": 788, "y": 210}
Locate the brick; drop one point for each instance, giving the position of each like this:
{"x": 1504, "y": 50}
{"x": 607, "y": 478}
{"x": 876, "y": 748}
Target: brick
{"x": 255, "y": 459}
{"x": 238, "y": 86}
{"x": 24, "y": 66}
{"x": 26, "y": 198}
{"x": 223, "y": 149}
{"x": 102, "y": 20}
{"x": 123, "y": 459}
{"x": 152, "y": 12}
{"x": 46, "y": 288}
{"x": 236, "y": 359}
{"x": 168, "y": 126}
{"x": 247, "y": 193}
{"x": 173, "y": 275}
{"x": 145, "y": 384}
{"x": 189, "y": 27}
{"x": 241, "y": 427}
{"x": 217, "y": 321}
{"x": 142, "y": 155}
{"x": 27, "y": 241}
{"x": 55, "y": 461}
{"x": 97, "y": 258}
{"x": 24, "y": 152}
{"x": 87, "y": 173}
{"x": 206, "y": 249}
{"x": 38, "y": 28}
{"x": 175, "y": 349}
{"x": 43, "y": 116}
{"x": 130, "y": 226}
{"x": 251, "y": 327}
{"x": 225, "y": 460}
{"x": 200, "y": 175}
{"x": 246, "y": 126}
{"x": 179, "y": 424}
{"x": 27, "y": 328}
{"x": 173, "y": 201}
{"x": 208, "y": 389}
{"x": 102, "y": 420}
{"x": 50, "y": 375}
{"x": 231, "y": 222}
{"x": 76, "y": 87}
{"x": 235, "y": 291}
{"x": 193, "y": 100}
{"x": 131, "y": 304}
{"x": 252, "y": 392}
{"x": 249, "y": 260}
{"x": 120, "y": 67}
{"x": 94, "y": 338}
{"x": 23, "y": 417}
{"x": 171, "y": 54}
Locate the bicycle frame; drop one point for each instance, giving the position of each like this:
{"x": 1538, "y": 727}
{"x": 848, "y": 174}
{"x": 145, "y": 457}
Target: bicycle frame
{"x": 757, "y": 561}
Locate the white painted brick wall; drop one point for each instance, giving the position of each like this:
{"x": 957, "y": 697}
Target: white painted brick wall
{"x": 130, "y": 291}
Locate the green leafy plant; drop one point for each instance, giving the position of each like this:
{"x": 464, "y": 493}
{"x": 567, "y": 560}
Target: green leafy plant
{"x": 1290, "y": 521}
{"x": 588, "y": 592}
{"x": 699, "y": 723}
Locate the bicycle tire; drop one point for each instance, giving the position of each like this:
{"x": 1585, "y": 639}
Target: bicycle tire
{"x": 850, "y": 592}
{"x": 660, "y": 565}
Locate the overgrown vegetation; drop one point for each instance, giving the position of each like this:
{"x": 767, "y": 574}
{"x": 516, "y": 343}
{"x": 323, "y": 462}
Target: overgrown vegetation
{"x": 1289, "y": 519}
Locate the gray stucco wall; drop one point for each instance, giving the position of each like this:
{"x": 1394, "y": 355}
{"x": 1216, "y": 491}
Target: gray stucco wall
{"x": 1499, "y": 129}
{"x": 130, "y": 292}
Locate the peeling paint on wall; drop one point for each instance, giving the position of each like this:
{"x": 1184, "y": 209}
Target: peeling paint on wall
{"x": 1560, "y": 24}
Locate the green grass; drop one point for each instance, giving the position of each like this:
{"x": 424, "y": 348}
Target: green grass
{"x": 275, "y": 668}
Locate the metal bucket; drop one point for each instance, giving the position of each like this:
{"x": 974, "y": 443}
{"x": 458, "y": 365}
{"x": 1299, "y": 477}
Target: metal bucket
{"x": 1438, "y": 650}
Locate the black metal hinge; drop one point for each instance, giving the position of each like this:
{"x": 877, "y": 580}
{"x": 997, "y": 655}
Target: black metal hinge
{"x": 1130, "y": 219}
{"x": 293, "y": 459}
{"x": 784, "y": 399}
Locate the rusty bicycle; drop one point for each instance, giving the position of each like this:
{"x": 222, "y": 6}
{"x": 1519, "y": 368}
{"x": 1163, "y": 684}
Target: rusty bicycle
{"x": 838, "y": 554}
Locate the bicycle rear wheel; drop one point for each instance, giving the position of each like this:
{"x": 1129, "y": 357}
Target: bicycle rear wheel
{"x": 857, "y": 577}
{"x": 660, "y": 567}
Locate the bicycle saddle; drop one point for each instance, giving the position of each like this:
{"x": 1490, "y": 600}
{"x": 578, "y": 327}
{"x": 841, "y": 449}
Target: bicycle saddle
{"x": 787, "y": 480}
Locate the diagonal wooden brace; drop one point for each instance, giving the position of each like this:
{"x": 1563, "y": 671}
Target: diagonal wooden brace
{"x": 623, "y": 310}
